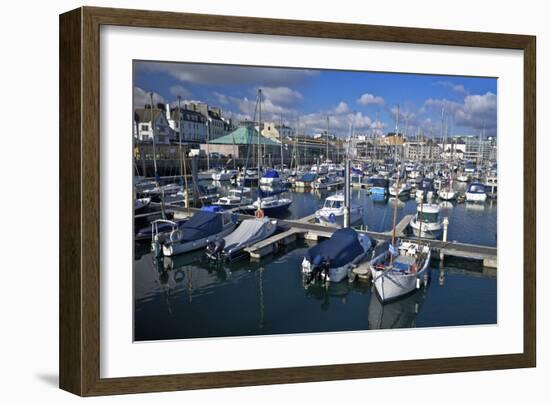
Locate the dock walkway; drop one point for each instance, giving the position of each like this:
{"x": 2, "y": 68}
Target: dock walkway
{"x": 311, "y": 231}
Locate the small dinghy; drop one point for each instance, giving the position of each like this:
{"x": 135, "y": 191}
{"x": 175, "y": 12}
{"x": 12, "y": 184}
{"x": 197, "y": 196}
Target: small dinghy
{"x": 331, "y": 260}
{"x": 248, "y": 233}
{"x": 205, "y": 225}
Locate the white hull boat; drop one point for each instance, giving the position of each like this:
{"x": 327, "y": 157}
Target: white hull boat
{"x": 407, "y": 271}
{"x": 332, "y": 213}
{"x": 426, "y": 223}
{"x": 476, "y": 193}
{"x": 203, "y": 227}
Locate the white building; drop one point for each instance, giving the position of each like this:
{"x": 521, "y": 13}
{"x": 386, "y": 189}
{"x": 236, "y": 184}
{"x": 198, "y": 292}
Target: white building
{"x": 143, "y": 126}
{"x": 192, "y": 124}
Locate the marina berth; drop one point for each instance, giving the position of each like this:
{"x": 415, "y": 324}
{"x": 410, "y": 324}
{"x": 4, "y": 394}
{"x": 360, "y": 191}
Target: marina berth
{"x": 331, "y": 260}
{"x": 426, "y": 223}
{"x": 476, "y": 193}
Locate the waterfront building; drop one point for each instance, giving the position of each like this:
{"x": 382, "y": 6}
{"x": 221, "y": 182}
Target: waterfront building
{"x": 193, "y": 125}
{"x": 238, "y": 142}
{"x": 145, "y": 118}
{"x": 422, "y": 150}
{"x": 216, "y": 125}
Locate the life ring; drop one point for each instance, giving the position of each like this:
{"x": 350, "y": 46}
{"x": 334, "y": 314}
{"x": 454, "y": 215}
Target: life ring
{"x": 259, "y": 213}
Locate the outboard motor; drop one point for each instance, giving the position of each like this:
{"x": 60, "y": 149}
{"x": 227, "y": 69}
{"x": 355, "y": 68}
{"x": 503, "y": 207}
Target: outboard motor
{"x": 317, "y": 268}
{"x": 214, "y": 249}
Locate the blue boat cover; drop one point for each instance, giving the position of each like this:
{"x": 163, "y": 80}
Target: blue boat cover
{"x": 340, "y": 249}
{"x": 309, "y": 177}
{"x": 271, "y": 174}
{"x": 202, "y": 225}
{"x": 212, "y": 209}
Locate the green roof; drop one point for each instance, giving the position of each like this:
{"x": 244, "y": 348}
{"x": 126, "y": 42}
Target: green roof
{"x": 244, "y": 136}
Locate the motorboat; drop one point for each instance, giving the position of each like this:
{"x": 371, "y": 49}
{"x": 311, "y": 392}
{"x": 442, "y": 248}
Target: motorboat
{"x": 379, "y": 186}
{"x": 249, "y": 232}
{"x": 331, "y": 260}
{"x": 270, "y": 206}
{"x": 476, "y": 192}
{"x": 403, "y": 191}
{"x": 426, "y": 223}
{"x": 205, "y": 225}
{"x": 236, "y": 198}
{"x": 306, "y": 180}
{"x": 400, "y": 269}
{"x": 491, "y": 184}
{"x": 327, "y": 182}
{"x": 224, "y": 175}
{"x": 332, "y": 212}
{"x": 270, "y": 178}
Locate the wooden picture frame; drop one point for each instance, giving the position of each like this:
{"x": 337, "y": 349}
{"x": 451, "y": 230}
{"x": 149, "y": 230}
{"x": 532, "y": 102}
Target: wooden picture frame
{"x": 80, "y": 196}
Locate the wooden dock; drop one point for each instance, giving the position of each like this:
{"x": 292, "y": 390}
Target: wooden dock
{"x": 274, "y": 243}
{"x": 304, "y": 228}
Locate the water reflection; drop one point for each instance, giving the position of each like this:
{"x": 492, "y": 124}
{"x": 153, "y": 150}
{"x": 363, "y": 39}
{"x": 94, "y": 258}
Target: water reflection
{"x": 401, "y": 313}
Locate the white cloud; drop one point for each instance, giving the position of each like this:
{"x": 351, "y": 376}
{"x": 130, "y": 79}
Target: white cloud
{"x": 370, "y": 99}
{"x": 341, "y": 108}
{"x": 458, "y": 88}
{"x": 281, "y": 95}
{"x": 142, "y": 98}
{"x": 477, "y": 112}
{"x": 180, "y": 90}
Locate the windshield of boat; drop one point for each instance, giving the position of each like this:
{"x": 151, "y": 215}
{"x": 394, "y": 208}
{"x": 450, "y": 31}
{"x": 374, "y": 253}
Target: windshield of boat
{"x": 333, "y": 203}
{"x": 428, "y": 217}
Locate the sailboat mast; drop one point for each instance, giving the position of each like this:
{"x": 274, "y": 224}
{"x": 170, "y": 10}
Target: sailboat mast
{"x": 395, "y": 138}
{"x": 154, "y": 140}
{"x": 259, "y": 131}
{"x": 281, "y": 139}
{"x": 328, "y": 128}
{"x": 183, "y": 165}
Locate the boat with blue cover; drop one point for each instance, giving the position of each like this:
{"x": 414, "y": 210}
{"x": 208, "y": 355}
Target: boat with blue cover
{"x": 210, "y": 223}
{"x": 270, "y": 178}
{"x": 331, "y": 260}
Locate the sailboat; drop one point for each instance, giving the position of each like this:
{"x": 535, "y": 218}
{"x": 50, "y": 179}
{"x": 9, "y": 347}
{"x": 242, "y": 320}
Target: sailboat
{"x": 402, "y": 267}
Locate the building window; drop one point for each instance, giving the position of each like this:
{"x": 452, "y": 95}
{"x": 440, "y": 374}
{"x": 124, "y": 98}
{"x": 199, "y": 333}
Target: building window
{"x": 145, "y": 127}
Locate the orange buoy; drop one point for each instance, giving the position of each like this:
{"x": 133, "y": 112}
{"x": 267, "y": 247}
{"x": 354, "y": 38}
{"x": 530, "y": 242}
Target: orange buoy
{"x": 259, "y": 213}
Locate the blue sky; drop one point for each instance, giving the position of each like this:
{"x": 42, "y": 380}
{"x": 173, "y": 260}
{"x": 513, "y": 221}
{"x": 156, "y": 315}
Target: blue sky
{"x": 368, "y": 99}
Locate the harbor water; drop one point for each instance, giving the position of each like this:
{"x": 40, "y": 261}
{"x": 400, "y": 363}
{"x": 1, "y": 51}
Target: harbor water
{"x": 188, "y": 297}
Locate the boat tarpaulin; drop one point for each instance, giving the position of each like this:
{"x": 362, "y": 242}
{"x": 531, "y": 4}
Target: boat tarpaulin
{"x": 339, "y": 249}
{"x": 271, "y": 174}
{"x": 202, "y": 225}
{"x": 308, "y": 177}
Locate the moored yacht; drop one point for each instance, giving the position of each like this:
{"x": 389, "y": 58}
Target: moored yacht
{"x": 476, "y": 193}
{"x": 426, "y": 223}
{"x": 332, "y": 212}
